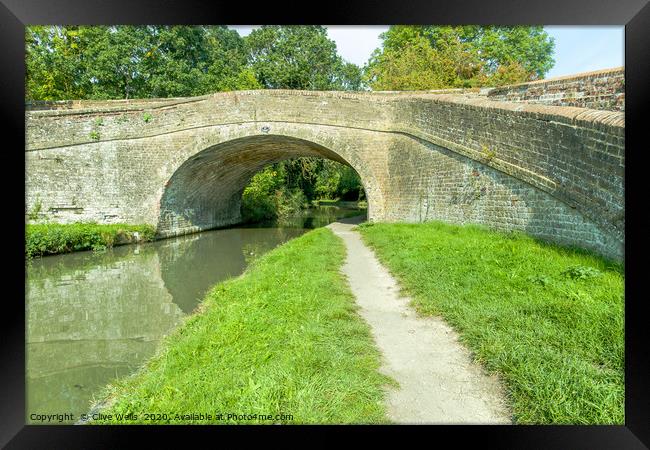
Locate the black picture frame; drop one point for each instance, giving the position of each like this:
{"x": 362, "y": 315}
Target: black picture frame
{"x": 634, "y": 14}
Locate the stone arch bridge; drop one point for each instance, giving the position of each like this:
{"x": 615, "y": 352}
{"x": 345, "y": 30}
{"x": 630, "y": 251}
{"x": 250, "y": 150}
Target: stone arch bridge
{"x": 489, "y": 157}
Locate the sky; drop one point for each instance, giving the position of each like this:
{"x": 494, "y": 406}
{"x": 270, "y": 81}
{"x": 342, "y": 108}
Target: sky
{"x": 577, "y": 48}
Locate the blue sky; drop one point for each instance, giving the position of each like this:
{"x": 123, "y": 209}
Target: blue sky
{"x": 586, "y": 48}
{"x": 577, "y": 48}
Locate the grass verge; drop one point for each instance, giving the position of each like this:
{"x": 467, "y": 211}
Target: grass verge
{"x": 282, "y": 340}
{"x": 48, "y": 239}
{"x": 548, "y": 319}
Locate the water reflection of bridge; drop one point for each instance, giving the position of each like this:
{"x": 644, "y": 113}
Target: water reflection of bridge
{"x": 94, "y": 317}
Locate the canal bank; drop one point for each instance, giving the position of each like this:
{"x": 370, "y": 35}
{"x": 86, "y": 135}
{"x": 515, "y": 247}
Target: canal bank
{"x": 93, "y": 317}
{"x": 547, "y": 320}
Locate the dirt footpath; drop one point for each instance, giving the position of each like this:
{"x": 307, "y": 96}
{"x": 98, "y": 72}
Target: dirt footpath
{"x": 439, "y": 383}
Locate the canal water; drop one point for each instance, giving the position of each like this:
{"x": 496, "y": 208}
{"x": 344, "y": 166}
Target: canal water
{"x": 93, "y": 317}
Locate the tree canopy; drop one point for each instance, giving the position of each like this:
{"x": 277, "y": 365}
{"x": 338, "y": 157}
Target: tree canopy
{"x": 299, "y": 57}
{"x": 434, "y": 57}
{"x": 113, "y": 62}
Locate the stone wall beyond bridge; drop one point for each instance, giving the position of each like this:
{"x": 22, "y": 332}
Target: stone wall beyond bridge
{"x": 555, "y": 172}
{"x": 601, "y": 89}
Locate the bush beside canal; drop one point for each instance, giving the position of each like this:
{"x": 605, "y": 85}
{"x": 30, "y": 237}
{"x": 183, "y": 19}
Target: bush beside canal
{"x": 284, "y": 188}
{"x": 547, "y": 319}
{"x": 283, "y": 340}
{"x": 49, "y": 238}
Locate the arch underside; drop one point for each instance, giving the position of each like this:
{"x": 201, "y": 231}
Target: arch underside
{"x": 205, "y": 191}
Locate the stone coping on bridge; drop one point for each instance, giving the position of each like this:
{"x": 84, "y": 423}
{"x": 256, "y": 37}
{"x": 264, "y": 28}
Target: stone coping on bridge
{"x": 600, "y": 89}
{"x": 563, "y": 78}
{"x": 568, "y": 114}
{"x": 66, "y": 107}
{"x": 560, "y": 89}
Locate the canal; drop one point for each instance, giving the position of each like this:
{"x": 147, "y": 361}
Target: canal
{"x": 94, "y": 317}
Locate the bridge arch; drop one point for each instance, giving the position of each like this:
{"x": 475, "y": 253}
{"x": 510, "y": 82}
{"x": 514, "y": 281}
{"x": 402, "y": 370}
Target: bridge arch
{"x": 205, "y": 189}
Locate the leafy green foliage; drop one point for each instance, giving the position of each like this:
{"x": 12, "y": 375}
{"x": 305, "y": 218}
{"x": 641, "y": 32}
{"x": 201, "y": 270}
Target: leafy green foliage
{"x": 47, "y": 239}
{"x": 284, "y": 338}
{"x": 187, "y": 61}
{"x": 299, "y": 57}
{"x": 417, "y": 65}
{"x": 267, "y": 196}
{"x": 113, "y": 62}
{"x": 283, "y": 188}
{"x": 124, "y": 61}
{"x": 523, "y": 308}
{"x": 53, "y": 56}
{"x": 435, "y": 57}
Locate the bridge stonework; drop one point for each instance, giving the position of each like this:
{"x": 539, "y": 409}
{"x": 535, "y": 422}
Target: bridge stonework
{"x": 555, "y": 172}
{"x": 601, "y": 89}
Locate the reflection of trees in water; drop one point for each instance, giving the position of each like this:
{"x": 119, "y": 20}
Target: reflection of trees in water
{"x": 122, "y": 299}
{"x": 175, "y": 248}
{"x": 253, "y": 250}
{"x": 214, "y": 257}
{"x": 258, "y": 244}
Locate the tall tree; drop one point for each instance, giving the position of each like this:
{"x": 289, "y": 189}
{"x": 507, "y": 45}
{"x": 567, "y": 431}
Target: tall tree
{"x": 54, "y": 68}
{"x": 187, "y": 61}
{"x": 430, "y": 57}
{"x": 417, "y": 65}
{"x": 100, "y": 62}
{"x": 299, "y": 57}
{"x": 113, "y": 61}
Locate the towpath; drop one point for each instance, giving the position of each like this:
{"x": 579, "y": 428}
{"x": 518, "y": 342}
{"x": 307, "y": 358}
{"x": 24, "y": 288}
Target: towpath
{"x": 439, "y": 382}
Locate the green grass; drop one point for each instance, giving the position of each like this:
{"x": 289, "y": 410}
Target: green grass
{"x": 47, "y": 239}
{"x": 284, "y": 338}
{"x": 547, "y": 319}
